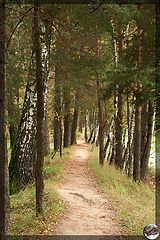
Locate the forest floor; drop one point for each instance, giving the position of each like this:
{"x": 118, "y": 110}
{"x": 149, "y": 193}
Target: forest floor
{"x": 89, "y": 212}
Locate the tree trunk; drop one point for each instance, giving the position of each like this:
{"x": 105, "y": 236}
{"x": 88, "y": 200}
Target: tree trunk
{"x": 91, "y": 135}
{"x": 13, "y": 118}
{"x": 119, "y": 131}
{"x": 100, "y": 113}
{"x": 66, "y": 142}
{"x": 138, "y": 112}
{"x": 74, "y": 121}
{"x": 4, "y": 212}
{"x": 46, "y": 68}
{"x": 147, "y": 147}
{"x": 46, "y": 146}
{"x": 40, "y": 115}
{"x": 85, "y": 128}
{"x": 22, "y": 155}
{"x": 137, "y": 142}
{"x": 21, "y": 167}
{"x": 157, "y": 102}
{"x": 144, "y": 127}
{"x": 57, "y": 110}
{"x": 46, "y": 135}
{"x": 119, "y": 117}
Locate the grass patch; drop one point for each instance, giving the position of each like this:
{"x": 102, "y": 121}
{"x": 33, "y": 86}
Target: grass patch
{"x": 134, "y": 203}
{"x": 23, "y": 217}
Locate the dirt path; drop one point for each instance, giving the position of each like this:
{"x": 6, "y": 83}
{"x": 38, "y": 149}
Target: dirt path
{"x": 89, "y": 212}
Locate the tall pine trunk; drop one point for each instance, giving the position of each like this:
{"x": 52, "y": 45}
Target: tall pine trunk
{"x": 146, "y": 149}
{"x": 119, "y": 131}
{"x": 4, "y": 208}
{"x": 137, "y": 142}
{"x": 119, "y": 116}
{"x": 66, "y": 140}
{"x": 57, "y": 110}
{"x": 46, "y": 68}
{"x": 100, "y": 111}
{"x": 40, "y": 115}
{"x": 138, "y": 112}
{"x": 75, "y": 121}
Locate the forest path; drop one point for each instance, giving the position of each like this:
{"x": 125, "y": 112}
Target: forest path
{"x": 88, "y": 211}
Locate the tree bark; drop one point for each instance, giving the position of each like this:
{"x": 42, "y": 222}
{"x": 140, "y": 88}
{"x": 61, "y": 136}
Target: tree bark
{"x": 144, "y": 127}
{"x": 13, "y": 117}
{"x": 23, "y": 153}
{"x": 138, "y": 112}
{"x": 147, "y": 147}
{"x": 100, "y": 113}
{"x": 40, "y": 115}
{"x": 119, "y": 131}
{"x": 85, "y": 128}
{"x": 157, "y": 103}
{"x": 46, "y": 68}
{"x": 119, "y": 116}
{"x": 74, "y": 121}
{"x": 66, "y": 140}
{"x": 57, "y": 110}
{"x": 46, "y": 146}
{"x": 46, "y": 135}
{"x": 4, "y": 213}
{"x": 137, "y": 143}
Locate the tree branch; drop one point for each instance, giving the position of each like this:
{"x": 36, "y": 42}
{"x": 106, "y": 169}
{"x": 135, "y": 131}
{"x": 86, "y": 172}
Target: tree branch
{"x": 8, "y": 42}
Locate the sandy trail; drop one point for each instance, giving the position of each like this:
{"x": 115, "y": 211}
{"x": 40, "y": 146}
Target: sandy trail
{"x": 89, "y": 212}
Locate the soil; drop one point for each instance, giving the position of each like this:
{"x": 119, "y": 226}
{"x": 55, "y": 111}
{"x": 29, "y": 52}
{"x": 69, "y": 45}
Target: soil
{"x": 89, "y": 212}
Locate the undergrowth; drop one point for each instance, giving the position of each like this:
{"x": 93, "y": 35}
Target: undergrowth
{"x": 133, "y": 203}
{"x": 23, "y": 216}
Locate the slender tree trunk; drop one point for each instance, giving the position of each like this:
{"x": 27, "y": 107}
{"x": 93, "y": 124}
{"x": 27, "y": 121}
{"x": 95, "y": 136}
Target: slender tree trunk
{"x": 4, "y": 199}
{"x": 129, "y": 123}
{"x": 40, "y": 115}
{"x": 57, "y": 110}
{"x": 100, "y": 113}
{"x": 119, "y": 131}
{"x": 147, "y": 147}
{"x": 46, "y": 68}
{"x": 13, "y": 118}
{"x": 74, "y": 121}
{"x": 91, "y": 135}
{"x": 144, "y": 127}
{"x": 137, "y": 143}
{"x": 66, "y": 140}
{"x": 119, "y": 117}
{"x": 85, "y": 128}
{"x": 46, "y": 146}
{"x": 138, "y": 113}
{"x": 46, "y": 135}
{"x": 81, "y": 125}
